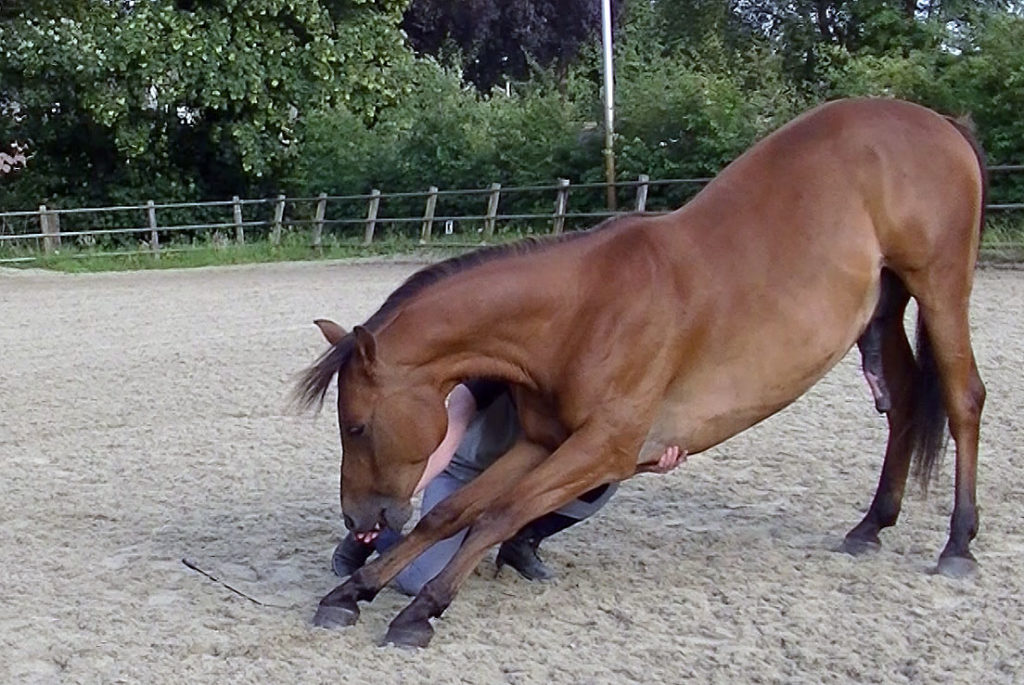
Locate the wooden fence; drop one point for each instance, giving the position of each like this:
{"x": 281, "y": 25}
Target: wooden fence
{"x": 152, "y": 228}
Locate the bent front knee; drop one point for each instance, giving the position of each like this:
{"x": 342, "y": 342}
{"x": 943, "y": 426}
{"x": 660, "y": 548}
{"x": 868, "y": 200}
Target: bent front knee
{"x": 443, "y": 518}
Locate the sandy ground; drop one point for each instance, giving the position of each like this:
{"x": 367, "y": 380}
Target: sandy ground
{"x": 144, "y": 420}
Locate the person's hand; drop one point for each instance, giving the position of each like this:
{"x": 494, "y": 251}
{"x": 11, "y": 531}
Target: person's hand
{"x": 670, "y": 458}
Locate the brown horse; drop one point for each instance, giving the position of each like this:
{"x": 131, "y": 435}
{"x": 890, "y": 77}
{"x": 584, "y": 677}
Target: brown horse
{"x": 682, "y": 329}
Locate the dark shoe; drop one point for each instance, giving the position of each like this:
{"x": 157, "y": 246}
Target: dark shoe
{"x": 520, "y": 553}
{"x": 349, "y": 556}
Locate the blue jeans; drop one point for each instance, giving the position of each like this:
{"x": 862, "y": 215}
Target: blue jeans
{"x": 427, "y": 565}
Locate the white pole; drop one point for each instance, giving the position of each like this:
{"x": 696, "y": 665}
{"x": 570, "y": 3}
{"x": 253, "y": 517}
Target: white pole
{"x": 609, "y": 103}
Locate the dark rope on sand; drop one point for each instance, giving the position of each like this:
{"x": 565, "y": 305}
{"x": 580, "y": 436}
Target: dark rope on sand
{"x": 192, "y": 565}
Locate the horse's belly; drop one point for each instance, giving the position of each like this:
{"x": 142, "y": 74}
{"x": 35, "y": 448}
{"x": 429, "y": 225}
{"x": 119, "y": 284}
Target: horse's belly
{"x": 696, "y": 428}
{"x": 728, "y": 393}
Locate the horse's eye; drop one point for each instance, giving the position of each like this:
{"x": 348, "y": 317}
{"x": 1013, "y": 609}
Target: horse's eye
{"x": 358, "y": 429}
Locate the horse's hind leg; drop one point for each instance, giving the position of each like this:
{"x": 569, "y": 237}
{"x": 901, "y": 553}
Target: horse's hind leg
{"x": 964, "y": 395}
{"x": 887, "y": 353}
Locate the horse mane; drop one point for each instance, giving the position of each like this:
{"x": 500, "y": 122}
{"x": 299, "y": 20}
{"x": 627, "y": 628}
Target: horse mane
{"x": 430, "y": 275}
{"x": 315, "y": 380}
{"x": 313, "y": 383}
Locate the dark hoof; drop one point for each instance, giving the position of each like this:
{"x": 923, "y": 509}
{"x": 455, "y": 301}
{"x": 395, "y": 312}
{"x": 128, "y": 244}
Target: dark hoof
{"x": 336, "y": 615}
{"x": 858, "y": 547}
{"x": 416, "y": 634}
{"x": 957, "y": 567}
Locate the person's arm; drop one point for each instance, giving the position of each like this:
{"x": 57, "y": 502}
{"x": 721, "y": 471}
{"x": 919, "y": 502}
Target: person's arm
{"x": 461, "y": 407}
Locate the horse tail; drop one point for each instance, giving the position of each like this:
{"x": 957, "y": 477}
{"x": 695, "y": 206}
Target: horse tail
{"x": 965, "y": 127}
{"x": 928, "y": 423}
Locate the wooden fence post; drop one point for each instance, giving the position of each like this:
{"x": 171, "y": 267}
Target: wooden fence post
{"x": 641, "y": 192}
{"x": 50, "y": 225}
{"x": 236, "y": 205}
{"x": 561, "y": 202}
{"x": 492, "y": 211}
{"x": 154, "y": 237}
{"x": 428, "y": 215}
{"x": 371, "y": 216}
{"x": 275, "y": 229}
{"x": 44, "y": 228}
{"x": 318, "y": 220}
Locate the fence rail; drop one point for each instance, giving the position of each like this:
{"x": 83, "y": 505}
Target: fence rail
{"x": 475, "y": 213}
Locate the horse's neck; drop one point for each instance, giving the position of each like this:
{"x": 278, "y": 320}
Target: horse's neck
{"x": 480, "y": 323}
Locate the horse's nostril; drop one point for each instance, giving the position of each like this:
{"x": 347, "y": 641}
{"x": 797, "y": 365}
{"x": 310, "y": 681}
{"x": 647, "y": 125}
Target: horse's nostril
{"x": 349, "y": 523}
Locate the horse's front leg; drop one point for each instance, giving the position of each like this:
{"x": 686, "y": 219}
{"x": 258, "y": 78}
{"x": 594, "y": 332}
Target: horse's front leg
{"x": 579, "y": 465}
{"x": 340, "y": 607}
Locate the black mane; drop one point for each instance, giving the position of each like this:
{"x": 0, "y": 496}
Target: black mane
{"x": 315, "y": 380}
{"x": 313, "y": 384}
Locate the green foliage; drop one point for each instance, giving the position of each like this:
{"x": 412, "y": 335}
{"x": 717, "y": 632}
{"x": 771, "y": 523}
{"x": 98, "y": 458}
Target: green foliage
{"x": 494, "y": 41}
{"x": 983, "y": 79}
{"x": 442, "y": 134}
{"x": 118, "y": 102}
{"x": 684, "y": 116}
{"x": 177, "y": 102}
{"x": 991, "y": 79}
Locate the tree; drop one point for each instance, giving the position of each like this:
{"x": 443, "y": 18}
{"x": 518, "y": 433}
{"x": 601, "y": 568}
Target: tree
{"x": 497, "y": 40}
{"x": 806, "y": 32}
{"x": 688, "y": 104}
{"x": 184, "y": 99}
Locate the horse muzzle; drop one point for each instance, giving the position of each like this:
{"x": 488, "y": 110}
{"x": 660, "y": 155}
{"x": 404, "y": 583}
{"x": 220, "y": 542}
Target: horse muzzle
{"x": 376, "y": 514}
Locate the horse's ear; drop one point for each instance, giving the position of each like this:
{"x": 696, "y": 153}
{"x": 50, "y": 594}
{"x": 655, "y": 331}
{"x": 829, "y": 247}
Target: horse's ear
{"x": 366, "y": 346}
{"x": 332, "y": 331}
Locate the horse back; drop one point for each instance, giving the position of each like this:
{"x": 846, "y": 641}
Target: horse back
{"x": 851, "y": 168}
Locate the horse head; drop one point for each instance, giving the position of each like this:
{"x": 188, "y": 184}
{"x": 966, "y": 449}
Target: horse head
{"x": 390, "y": 422}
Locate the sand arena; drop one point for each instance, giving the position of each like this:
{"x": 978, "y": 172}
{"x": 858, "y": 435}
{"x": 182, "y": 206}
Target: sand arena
{"x": 144, "y": 421}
